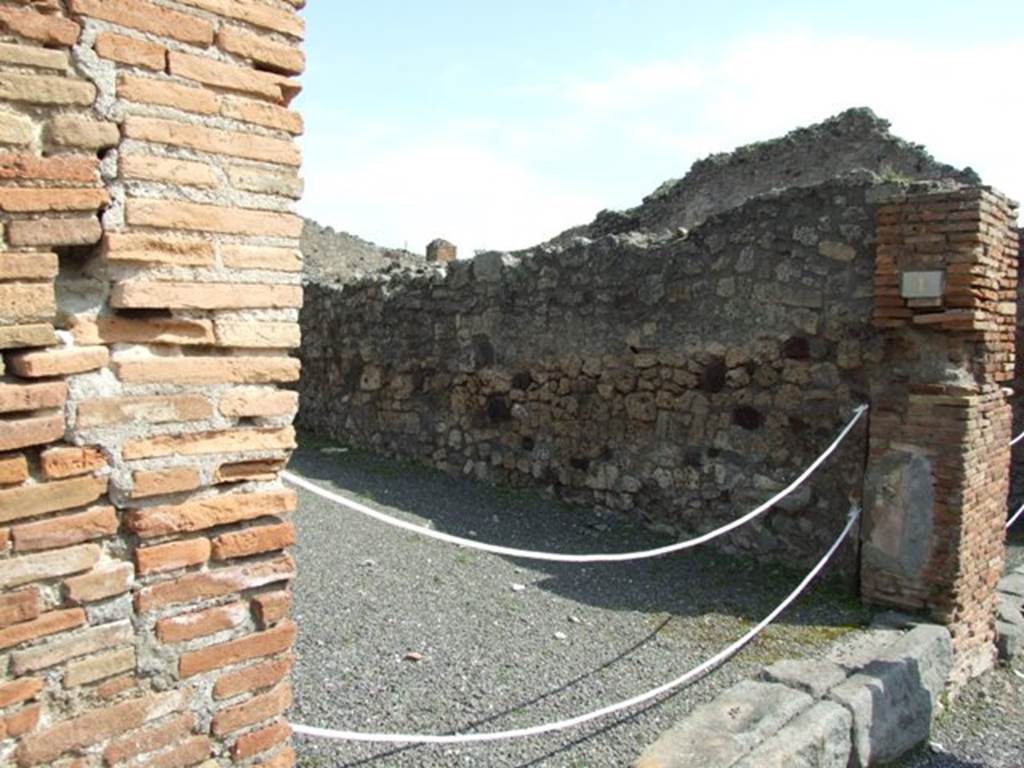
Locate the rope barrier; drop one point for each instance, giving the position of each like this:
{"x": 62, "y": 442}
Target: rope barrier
{"x": 1015, "y": 518}
{"x": 561, "y": 725}
{"x": 1017, "y": 439}
{"x": 528, "y": 554}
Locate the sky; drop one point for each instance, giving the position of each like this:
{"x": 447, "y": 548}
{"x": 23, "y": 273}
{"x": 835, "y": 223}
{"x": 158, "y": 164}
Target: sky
{"x": 497, "y": 125}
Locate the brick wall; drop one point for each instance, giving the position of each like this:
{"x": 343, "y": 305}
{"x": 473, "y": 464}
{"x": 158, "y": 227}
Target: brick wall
{"x": 149, "y": 290}
{"x": 939, "y": 453}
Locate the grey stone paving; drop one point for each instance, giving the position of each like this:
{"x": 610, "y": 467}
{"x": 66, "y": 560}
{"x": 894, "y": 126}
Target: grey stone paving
{"x": 507, "y": 643}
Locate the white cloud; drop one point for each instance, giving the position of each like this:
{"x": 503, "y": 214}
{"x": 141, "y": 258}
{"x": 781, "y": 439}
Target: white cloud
{"x": 469, "y": 194}
{"x": 955, "y": 100}
{"x": 507, "y": 183}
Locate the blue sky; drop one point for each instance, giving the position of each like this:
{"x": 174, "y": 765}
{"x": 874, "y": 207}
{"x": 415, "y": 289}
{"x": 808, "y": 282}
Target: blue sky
{"x": 497, "y": 125}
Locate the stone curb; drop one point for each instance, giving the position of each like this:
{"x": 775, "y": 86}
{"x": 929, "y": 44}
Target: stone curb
{"x": 871, "y": 700}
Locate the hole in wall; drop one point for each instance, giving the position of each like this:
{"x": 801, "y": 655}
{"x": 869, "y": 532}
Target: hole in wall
{"x": 748, "y": 418}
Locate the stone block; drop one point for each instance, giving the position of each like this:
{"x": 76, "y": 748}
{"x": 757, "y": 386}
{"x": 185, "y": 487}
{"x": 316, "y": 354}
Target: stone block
{"x": 817, "y": 738}
{"x": 725, "y": 730}
{"x": 893, "y": 698}
{"x": 1009, "y": 640}
{"x": 815, "y": 677}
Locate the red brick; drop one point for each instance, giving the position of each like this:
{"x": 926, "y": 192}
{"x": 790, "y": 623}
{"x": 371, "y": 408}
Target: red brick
{"x": 25, "y": 689}
{"x": 33, "y": 430}
{"x": 96, "y": 726}
{"x": 32, "y": 397}
{"x": 189, "y": 626}
{"x": 46, "y": 624}
{"x": 257, "y": 257}
{"x": 84, "y": 133}
{"x": 213, "y": 140}
{"x": 20, "y": 606}
{"x": 189, "y": 752}
{"x": 258, "y": 708}
{"x": 99, "y": 667}
{"x": 262, "y": 740}
{"x": 215, "y": 583}
{"x": 268, "y": 643}
{"x": 51, "y": 232}
{"x": 116, "y": 686}
{"x": 161, "y": 482}
{"x": 219, "y": 74}
{"x": 151, "y": 410}
{"x": 253, "y": 335}
{"x": 147, "y": 17}
{"x": 95, "y": 523}
{"x": 261, "y": 113}
{"x": 116, "y": 329}
{"x": 200, "y": 217}
{"x": 258, "y": 469}
{"x": 166, "y": 93}
{"x": 20, "y": 722}
{"x": 60, "y": 462}
{"x": 256, "y": 14}
{"x": 141, "y": 294}
{"x": 13, "y": 469}
{"x": 157, "y": 248}
{"x": 198, "y": 370}
{"x": 48, "y": 565}
{"x": 171, "y": 556}
{"x": 32, "y": 500}
{"x": 284, "y": 759}
{"x": 27, "y": 301}
{"x": 202, "y": 443}
{"x": 68, "y": 168}
{"x": 131, "y": 50}
{"x": 252, "y": 541}
{"x": 21, "y": 55}
{"x": 28, "y": 266}
{"x": 158, "y": 736}
{"x": 59, "y": 361}
{"x": 49, "y": 30}
{"x": 101, "y": 583}
{"x": 70, "y": 646}
{"x": 271, "y": 607}
{"x": 168, "y": 170}
{"x": 200, "y": 514}
{"x": 254, "y": 401}
{"x": 255, "y": 677}
{"x": 42, "y": 200}
{"x": 287, "y": 59}
{"x": 30, "y": 335}
{"x": 46, "y": 90}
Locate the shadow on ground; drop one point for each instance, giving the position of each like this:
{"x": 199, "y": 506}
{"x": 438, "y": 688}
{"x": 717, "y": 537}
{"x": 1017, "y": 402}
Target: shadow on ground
{"x": 693, "y": 582}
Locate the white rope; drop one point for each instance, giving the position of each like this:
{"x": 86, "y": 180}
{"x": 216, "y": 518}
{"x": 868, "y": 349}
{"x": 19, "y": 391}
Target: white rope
{"x": 1012, "y": 520}
{"x": 561, "y": 725}
{"x": 1017, "y": 439}
{"x": 560, "y": 558}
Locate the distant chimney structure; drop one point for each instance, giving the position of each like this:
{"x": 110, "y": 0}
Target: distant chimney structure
{"x": 441, "y": 250}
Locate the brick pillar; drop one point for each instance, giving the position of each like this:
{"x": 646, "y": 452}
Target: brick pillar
{"x": 441, "y": 250}
{"x": 149, "y": 294}
{"x": 938, "y": 470}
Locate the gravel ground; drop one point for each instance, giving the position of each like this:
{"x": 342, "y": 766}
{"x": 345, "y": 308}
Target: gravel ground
{"x": 508, "y": 643}
{"x": 985, "y": 726}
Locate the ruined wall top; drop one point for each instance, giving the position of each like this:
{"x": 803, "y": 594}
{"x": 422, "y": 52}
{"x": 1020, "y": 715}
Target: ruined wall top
{"x": 854, "y": 140}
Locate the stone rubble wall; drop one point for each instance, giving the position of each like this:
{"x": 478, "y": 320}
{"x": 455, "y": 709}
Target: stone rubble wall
{"x": 149, "y": 295}
{"x": 682, "y": 380}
